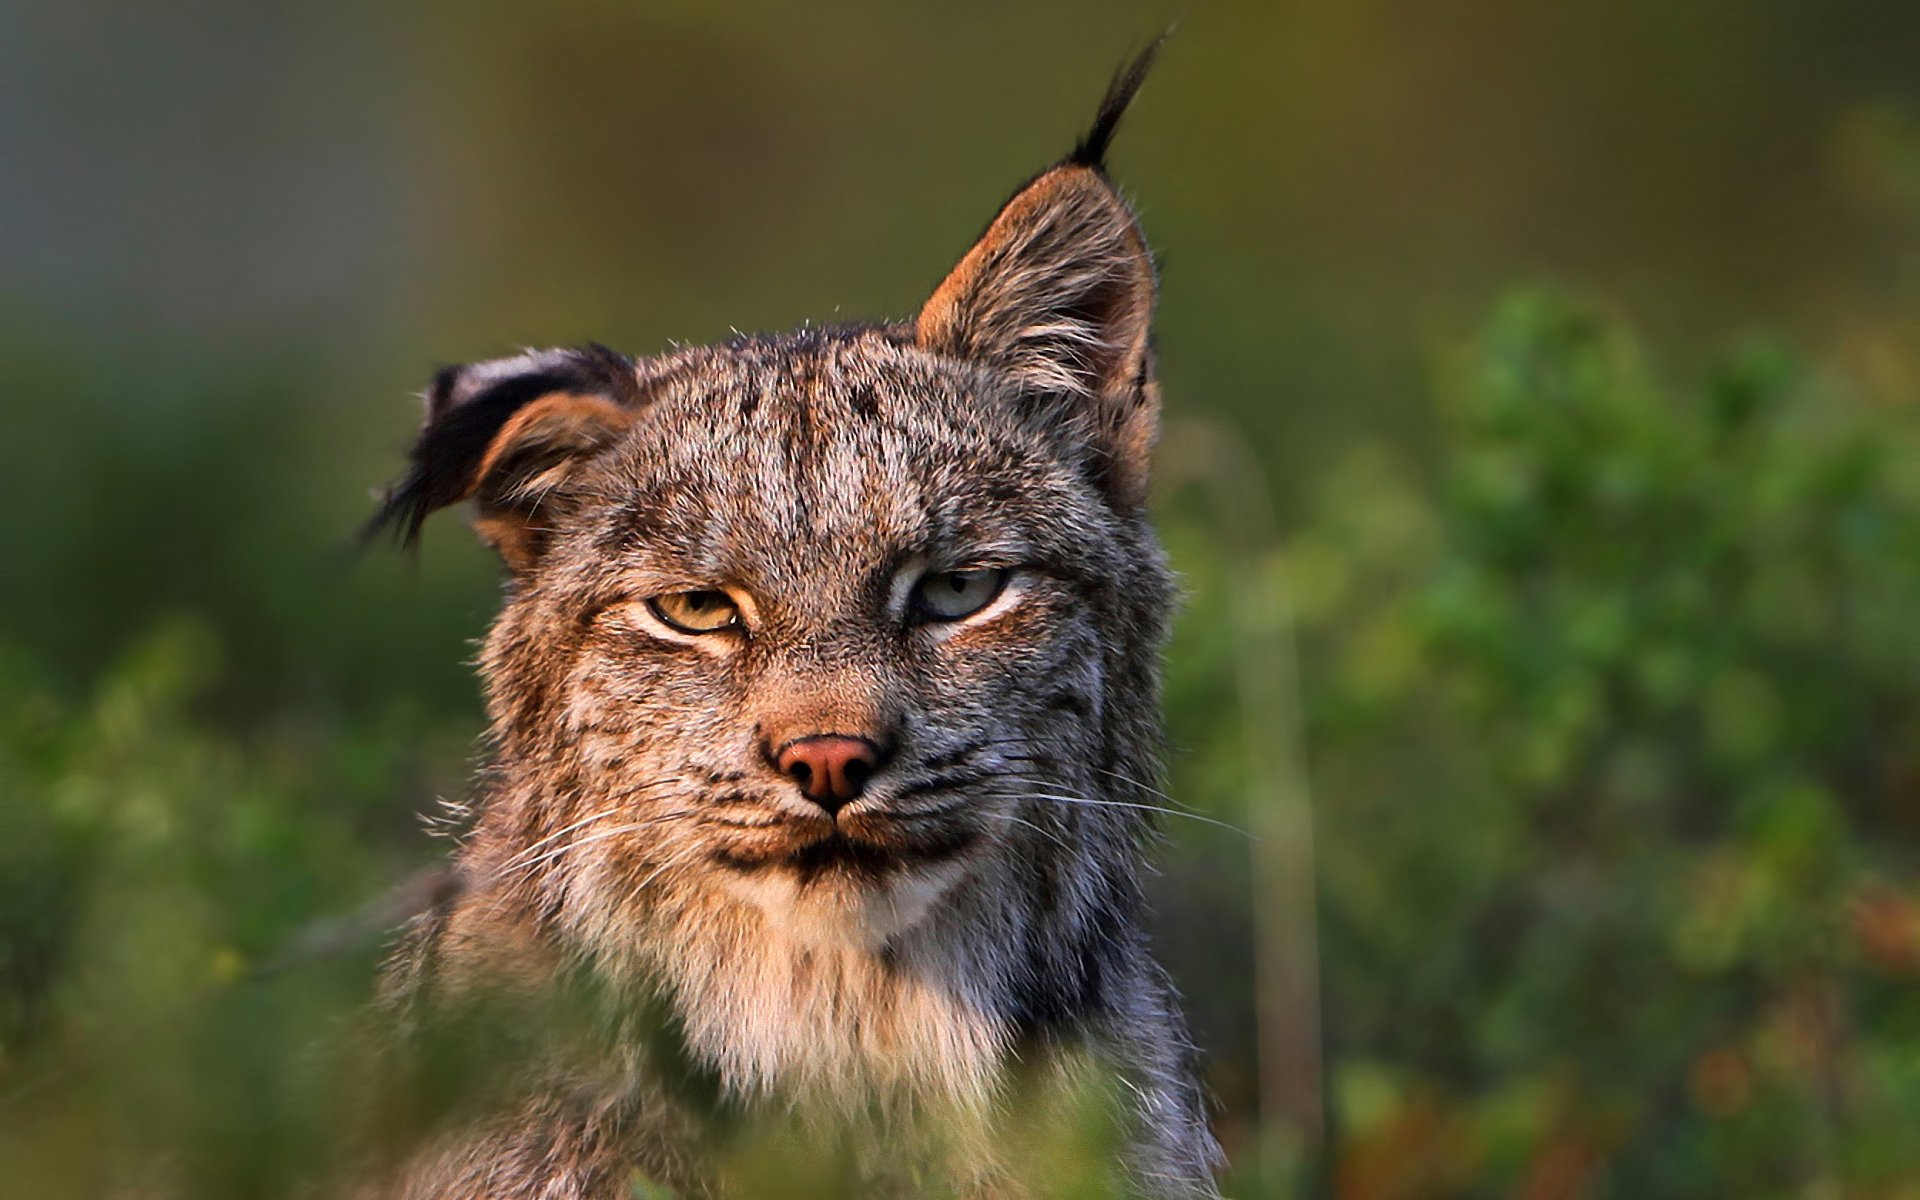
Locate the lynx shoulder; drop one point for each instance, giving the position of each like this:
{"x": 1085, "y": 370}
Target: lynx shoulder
{"x": 824, "y": 712}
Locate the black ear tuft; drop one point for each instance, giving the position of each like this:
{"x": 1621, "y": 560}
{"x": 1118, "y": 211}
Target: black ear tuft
{"x": 1057, "y": 298}
{"x": 1092, "y": 149}
{"x": 467, "y": 408}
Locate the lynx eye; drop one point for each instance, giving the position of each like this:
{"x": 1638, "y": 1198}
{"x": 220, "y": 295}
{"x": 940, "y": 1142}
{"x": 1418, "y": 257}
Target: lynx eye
{"x": 952, "y": 595}
{"x": 695, "y": 612}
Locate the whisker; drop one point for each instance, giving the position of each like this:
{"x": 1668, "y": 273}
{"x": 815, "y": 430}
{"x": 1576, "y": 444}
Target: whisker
{"x": 941, "y": 783}
{"x": 926, "y": 814}
{"x": 1145, "y": 787}
{"x": 1126, "y": 779}
{"x": 602, "y": 815}
{"x": 633, "y": 893}
{"x": 1051, "y": 835}
{"x": 1179, "y": 806}
{"x": 589, "y": 819}
{"x": 722, "y": 823}
{"x": 579, "y": 843}
{"x": 1152, "y": 808}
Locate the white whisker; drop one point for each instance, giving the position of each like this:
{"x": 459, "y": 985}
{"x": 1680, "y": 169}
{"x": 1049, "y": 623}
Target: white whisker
{"x": 1152, "y": 808}
{"x": 587, "y": 820}
{"x": 601, "y": 836}
{"x": 1115, "y": 775}
{"x": 1039, "y": 829}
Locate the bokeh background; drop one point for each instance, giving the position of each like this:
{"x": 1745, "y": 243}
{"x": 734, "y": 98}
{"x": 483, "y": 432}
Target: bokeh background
{"x": 1542, "y": 387}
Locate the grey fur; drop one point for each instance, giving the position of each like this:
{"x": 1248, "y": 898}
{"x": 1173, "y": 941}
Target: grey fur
{"x": 632, "y": 829}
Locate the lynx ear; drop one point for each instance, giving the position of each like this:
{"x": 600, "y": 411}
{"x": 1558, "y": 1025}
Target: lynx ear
{"x": 1058, "y": 295}
{"x": 509, "y": 434}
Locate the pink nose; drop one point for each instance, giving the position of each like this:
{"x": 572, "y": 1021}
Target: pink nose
{"x": 830, "y": 768}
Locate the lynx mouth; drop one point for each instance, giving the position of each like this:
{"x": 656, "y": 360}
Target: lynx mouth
{"x": 853, "y": 849}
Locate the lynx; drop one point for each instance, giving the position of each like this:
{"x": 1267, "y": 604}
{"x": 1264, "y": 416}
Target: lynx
{"x": 824, "y": 720}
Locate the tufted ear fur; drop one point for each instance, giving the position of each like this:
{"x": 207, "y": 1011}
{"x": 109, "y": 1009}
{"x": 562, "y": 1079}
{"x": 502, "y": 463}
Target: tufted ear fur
{"x": 509, "y": 434}
{"x": 1058, "y": 294}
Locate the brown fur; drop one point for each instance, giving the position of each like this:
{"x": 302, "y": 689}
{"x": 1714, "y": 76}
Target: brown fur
{"x": 935, "y": 965}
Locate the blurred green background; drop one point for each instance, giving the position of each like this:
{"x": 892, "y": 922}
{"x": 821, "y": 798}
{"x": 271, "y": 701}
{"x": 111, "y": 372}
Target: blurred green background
{"x": 1542, "y": 391}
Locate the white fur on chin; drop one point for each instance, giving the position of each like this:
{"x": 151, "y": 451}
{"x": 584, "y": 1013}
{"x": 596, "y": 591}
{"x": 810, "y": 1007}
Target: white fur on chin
{"x": 837, "y": 911}
{"x": 837, "y": 991}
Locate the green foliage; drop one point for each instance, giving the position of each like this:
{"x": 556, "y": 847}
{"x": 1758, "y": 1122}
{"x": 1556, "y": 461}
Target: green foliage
{"x": 159, "y": 877}
{"x": 1614, "y": 749}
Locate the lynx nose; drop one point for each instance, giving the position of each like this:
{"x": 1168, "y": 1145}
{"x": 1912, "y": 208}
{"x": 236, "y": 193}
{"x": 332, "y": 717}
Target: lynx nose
{"x": 830, "y": 768}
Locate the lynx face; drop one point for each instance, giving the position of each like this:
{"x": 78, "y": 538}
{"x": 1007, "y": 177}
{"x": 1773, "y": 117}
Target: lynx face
{"x": 818, "y": 628}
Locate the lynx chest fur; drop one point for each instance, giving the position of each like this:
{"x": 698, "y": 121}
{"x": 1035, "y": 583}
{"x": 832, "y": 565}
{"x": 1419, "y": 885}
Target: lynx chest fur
{"x": 824, "y": 706}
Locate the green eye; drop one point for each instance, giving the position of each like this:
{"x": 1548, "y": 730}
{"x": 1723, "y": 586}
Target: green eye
{"x": 951, "y": 595}
{"x": 696, "y": 612}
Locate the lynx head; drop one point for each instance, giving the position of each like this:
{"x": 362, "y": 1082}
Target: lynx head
{"x": 831, "y": 624}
